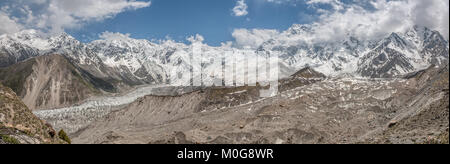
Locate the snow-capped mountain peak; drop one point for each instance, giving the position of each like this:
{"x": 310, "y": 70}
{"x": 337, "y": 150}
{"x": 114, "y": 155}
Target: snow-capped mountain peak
{"x": 298, "y": 29}
{"x": 139, "y": 61}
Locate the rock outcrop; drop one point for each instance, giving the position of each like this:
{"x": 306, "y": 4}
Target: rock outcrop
{"x": 18, "y": 125}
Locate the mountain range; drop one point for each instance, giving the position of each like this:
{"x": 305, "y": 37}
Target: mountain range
{"x": 381, "y": 90}
{"x": 116, "y": 65}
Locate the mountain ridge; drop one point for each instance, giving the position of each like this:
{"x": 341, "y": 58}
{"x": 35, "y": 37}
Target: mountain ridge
{"x": 49, "y": 81}
{"x": 130, "y": 62}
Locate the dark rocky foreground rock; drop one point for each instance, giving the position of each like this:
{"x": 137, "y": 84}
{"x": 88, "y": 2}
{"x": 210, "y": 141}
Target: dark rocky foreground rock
{"x": 18, "y": 125}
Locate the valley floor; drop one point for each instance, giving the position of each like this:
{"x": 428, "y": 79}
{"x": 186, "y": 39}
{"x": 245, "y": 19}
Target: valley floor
{"x": 340, "y": 110}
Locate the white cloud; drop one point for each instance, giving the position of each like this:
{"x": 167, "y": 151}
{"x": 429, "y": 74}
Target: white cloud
{"x": 356, "y": 19}
{"x": 114, "y": 36}
{"x": 387, "y": 16}
{"x": 196, "y": 39}
{"x": 54, "y": 16}
{"x": 240, "y": 9}
{"x": 433, "y": 14}
{"x": 336, "y": 4}
{"x": 252, "y": 38}
{"x": 8, "y": 25}
{"x": 96, "y": 10}
{"x": 279, "y": 1}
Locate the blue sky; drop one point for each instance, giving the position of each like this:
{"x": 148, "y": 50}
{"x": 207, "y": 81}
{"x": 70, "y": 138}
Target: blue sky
{"x": 213, "y": 19}
{"x": 222, "y": 20}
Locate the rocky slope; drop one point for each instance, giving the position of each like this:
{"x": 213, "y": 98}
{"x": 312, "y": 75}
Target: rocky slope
{"x": 49, "y": 81}
{"x": 19, "y": 125}
{"x": 426, "y": 116}
{"x": 333, "y": 110}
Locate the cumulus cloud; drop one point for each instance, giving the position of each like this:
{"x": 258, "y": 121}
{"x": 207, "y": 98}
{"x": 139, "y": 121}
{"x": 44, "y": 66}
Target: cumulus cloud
{"x": 195, "y": 39}
{"x": 280, "y": 1}
{"x": 240, "y": 9}
{"x": 336, "y": 4}
{"x": 366, "y": 20}
{"x": 54, "y": 16}
{"x": 385, "y": 17}
{"x": 252, "y": 38}
{"x": 8, "y": 25}
{"x": 114, "y": 36}
{"x": 433, "y": 14}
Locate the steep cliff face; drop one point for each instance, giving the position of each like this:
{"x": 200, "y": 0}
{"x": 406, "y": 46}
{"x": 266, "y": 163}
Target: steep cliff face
{"x": 19, "y": 125}
{"x": 49, "y": 81}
